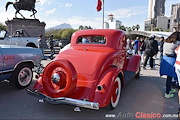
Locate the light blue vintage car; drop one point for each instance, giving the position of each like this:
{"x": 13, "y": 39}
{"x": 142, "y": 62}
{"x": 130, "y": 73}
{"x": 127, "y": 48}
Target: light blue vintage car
{"x": 17, "y": 63}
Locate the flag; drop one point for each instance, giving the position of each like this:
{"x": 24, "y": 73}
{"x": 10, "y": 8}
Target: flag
{"x": 99, "y": 5}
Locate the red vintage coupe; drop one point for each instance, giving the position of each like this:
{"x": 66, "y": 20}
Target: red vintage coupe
{"x": 90, "y": 72}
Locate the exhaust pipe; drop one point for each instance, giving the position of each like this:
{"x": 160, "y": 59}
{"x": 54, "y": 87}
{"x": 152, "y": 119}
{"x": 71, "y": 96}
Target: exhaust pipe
{"x": 64, "y": 100}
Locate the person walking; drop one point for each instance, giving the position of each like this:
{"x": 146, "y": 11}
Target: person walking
{"x": 129, "y": 44}
{"x": 136, "y": 45}
{"x": 41, "y": 45}
{"x": 51, "y": 46}
{"x": 142, "y": 49}
{"x": 151, "y": 49}
{"x": 167, "y": 65}
{"x": 161, "y": 49}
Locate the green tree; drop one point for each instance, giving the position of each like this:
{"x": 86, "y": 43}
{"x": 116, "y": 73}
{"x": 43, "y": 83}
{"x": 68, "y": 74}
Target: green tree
{"x": 122, "y": 27}
{"x": 137, "y": 27}
{"x": 84, "y": 27}
{"x": 90, "y": 27}
{"x": 2, "y": 27}
{"x": 81, "y": 27}
{"x": 133, "y": 27}
{"x": 67, "y": 33}
{"x": 156, "y": 29}
{"x": 128, "y": 29}
{"x": 60, "y": 33}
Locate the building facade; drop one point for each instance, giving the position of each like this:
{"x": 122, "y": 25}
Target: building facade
{"x": 156, "y": 8}
{"x": 156, "y": 18}
{"x": 111, "y": 23}
{"x": 175, "y": 17}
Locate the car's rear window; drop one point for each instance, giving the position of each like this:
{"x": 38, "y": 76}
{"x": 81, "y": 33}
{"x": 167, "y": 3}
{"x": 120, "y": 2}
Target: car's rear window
{"x": 91, "y": 40}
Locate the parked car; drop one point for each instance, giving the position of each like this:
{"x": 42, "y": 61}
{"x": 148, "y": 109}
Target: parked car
{"x": 16, "y": 64}
{"x": 63, "y": 42}
{"x": 18, "y": 39}
{"x": 56, "y": 42}
{"x": 90, "y": 72}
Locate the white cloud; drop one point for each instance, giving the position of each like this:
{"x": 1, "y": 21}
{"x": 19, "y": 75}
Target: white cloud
{"x": 6, "y": 15}
{"x": 68, "y": 5}
{"x": 43, "y": 2}
{"x": 77, "y": 21}
{"x": 128, "y": 12}
{"x": 50, "y": 11}
{"x": 53, "y": 22}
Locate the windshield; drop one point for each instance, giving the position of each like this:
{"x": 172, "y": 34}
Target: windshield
{"x": 2, "y": 34}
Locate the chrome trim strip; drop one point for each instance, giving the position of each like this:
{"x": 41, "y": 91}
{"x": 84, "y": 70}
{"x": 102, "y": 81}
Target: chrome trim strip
{"x": 7, "y": 71}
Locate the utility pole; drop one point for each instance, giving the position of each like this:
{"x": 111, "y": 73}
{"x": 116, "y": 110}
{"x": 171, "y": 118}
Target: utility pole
{"x": 103, "y": 15}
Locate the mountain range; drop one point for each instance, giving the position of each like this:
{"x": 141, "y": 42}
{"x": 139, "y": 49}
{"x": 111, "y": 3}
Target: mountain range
{"x": 61, "y": 26}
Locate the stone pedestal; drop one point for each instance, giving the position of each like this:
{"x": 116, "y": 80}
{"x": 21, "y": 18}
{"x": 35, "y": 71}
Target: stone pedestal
{"x": 32, "y": 26}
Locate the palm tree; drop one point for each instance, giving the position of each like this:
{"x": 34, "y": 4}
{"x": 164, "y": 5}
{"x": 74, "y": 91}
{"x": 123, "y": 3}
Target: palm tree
{"x": 90, "y": 27}
{"x": 128, "y": 29}
{"x": 137, "y": 27}
{"x": 81, "y": 27}
{"x": 133, "y": 27}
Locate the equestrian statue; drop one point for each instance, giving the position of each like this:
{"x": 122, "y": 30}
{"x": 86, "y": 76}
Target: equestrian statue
{"x": 28, "y": 5}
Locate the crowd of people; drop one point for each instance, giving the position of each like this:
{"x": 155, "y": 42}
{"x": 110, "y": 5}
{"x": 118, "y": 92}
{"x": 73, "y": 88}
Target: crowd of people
{"x": 146, "y": 48}
{"x": 169, "y": 59}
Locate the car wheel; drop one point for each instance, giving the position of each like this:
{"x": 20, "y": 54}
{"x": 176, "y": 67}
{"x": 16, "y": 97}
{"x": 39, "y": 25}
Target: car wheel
{"x": 59, "y": 78}
{"x": 22, "y": 76}
{"x": 116, "y": 92}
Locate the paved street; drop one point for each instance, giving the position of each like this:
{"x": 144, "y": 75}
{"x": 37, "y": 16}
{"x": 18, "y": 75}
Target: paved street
{"x": 145, "y": 95}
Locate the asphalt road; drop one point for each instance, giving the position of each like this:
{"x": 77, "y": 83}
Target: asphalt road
{"x": 140, "y": 96}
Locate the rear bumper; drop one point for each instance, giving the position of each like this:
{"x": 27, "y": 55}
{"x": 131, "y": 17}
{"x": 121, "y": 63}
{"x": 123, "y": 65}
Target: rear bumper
{"x": 64, "y": 100}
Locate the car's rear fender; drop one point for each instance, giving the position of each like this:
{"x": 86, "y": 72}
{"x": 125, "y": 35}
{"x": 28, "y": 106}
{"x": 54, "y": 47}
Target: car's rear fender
{"x": 133, "y": 63}
{"x": 103, "y": 92}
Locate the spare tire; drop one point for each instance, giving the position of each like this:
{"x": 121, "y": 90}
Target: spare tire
{"x": 59, "y": 78}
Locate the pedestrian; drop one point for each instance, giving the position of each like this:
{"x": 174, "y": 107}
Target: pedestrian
{"x": 142, "y": 49}
{"x": 167, "y": 65}
{"x": 51, "y": 46}
{"x": 86, "y": 39}
{"x": 161, "y": 43}
{"x": 136, "y": 45}
{"x": 129, "y": 44}
{"x": 151, "y": 49}
{"x": 41, "y": 45}
{"x": 177, "y": 70}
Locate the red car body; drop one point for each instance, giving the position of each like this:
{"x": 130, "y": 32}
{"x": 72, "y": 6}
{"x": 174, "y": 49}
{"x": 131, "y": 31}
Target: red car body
{"x": 92, "y": 72}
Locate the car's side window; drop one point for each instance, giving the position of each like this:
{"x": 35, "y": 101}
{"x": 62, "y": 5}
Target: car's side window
{"x": 91, "y": 40}
{"x": 2, "y": 34}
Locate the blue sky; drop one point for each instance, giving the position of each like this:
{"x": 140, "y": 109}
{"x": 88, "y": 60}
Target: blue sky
{"x": 83, "y": 12}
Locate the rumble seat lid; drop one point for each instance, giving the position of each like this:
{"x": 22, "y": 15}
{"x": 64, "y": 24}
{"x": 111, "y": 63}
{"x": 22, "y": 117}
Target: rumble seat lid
{"x": 83, "y": 60}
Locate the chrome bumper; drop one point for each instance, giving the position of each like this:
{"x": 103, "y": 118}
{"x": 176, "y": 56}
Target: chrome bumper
{"x": 64, "y": 100}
